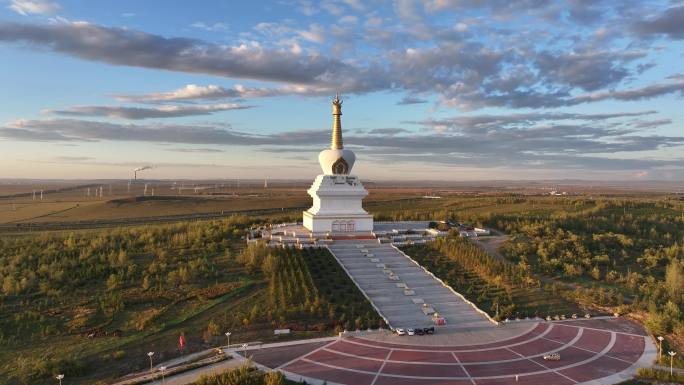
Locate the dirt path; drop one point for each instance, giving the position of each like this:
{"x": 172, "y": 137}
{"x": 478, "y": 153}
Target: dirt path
{"x": 491, "y": 244}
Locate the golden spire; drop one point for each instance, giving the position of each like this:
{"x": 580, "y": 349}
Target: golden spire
{"x": 336, "y": 142}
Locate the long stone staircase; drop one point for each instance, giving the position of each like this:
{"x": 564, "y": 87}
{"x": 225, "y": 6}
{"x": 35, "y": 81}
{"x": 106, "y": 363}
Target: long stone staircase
{"x": 401, "y": 290}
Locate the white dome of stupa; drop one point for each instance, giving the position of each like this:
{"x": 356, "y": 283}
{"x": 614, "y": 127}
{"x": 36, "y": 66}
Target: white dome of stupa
{"x": 336, "y": 160}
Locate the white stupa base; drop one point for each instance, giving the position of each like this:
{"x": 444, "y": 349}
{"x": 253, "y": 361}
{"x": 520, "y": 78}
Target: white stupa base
{"x": 338, "y": 224}
{"x": 337, "y": 206}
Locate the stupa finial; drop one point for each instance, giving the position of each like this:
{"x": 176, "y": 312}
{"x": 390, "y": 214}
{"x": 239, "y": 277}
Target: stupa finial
{"x": 336, "y": 141}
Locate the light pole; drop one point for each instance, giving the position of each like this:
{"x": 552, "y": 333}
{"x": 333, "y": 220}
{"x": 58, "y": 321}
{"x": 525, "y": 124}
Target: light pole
{"x": 150, "y": 354}
{"x": 228, "y": 337}
{"x": 672, "y": 354}
{"x": 162, "y": 369}
{"x": 660, "y": 348}
{"x": 59, "y": 378}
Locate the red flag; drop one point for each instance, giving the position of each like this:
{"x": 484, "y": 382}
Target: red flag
{"x": 181, "y": 341}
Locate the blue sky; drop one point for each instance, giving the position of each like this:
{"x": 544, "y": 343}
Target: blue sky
{"x": 447, "y": 90}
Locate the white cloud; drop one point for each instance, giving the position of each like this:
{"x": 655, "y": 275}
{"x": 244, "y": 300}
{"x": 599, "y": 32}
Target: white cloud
{"x": 215, "y": 27}
{"x": 189, "y": 92}
{"x": 467, "y": 63}
{"x": 355, "y": 4}
{"x": 461, "y": 27}
{"x": 39, "y": 7}
{"x": 137, "y": 113}
{"x": 349, "y": 19}
{"x": 314, "y": 34}
{"x": 307, "y": 8}
{"x": 195, "y": 93}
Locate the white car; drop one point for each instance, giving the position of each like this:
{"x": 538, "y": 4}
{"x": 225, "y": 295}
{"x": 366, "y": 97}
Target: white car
{"x": 552, "y": 357}
{"x": 400, "y": 331}
{"x": 411, "y": 332}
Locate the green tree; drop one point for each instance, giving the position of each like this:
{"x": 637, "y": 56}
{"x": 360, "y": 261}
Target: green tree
{"x": 113, "y": 282}
{"x": 674, "y": 280}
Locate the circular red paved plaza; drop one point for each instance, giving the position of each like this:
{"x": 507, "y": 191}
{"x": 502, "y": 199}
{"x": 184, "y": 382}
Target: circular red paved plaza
{"x": 592, "y": 351}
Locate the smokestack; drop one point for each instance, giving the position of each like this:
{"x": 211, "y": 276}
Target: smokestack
{"x": 135, "y": 171}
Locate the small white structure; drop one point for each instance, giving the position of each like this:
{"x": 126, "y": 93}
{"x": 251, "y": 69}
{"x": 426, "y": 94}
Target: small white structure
{"x": 481, "y": 232}
{"x": 336, "y": 194}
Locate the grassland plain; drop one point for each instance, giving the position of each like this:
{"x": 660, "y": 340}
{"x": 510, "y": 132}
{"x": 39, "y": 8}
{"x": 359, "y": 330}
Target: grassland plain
{"x": 196, "y": 278}
{"x": 74, "y": 203}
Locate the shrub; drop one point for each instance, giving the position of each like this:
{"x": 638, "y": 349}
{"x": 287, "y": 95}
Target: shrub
{"x": 660, "y": 375}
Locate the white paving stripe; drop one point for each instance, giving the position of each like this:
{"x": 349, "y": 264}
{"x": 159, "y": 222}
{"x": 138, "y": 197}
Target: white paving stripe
{"x": 610, "y": 345}
{"x": 599, "y": 329}
{"x": 464, "y": 369}
{"x": 542, "y": 365}
{"x": 381, "y": 367}
{"x": 305, "y": 355}
{"x": 613, "y": 335}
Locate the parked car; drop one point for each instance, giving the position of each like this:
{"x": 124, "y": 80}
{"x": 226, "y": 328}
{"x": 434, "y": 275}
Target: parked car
{"x": 400, "y": 331}
{"x": 552, "y": 357}
{"x": 410, "y": 331}
{"x": 430, "y": 330}
{"x": 419, "y": 331}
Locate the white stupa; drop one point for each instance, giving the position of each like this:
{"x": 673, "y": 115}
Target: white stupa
{"x": 336, "y": 194}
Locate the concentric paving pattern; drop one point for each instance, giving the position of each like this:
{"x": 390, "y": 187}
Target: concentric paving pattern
{"x": 589, "y": 351}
